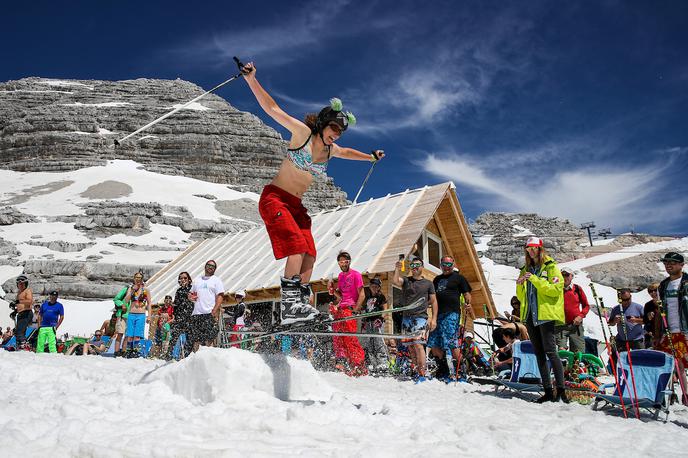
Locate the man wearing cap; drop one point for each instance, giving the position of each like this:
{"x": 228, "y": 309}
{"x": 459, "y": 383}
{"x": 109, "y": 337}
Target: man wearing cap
{"x": 571, "y": 335}
{"x": 236, "y": 316}
{"x": 673, "y": 292}
{"x": 351, "y": 296}
{"x": 375, "y": 347}
{"x": 51, "y": 316}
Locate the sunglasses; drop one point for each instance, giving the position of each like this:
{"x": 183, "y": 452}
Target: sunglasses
{"x": 625, "y": 300}
{"x": 335, "y": 128}
{"x": 415, "y": 265}
{"x": 446, "y": 264}
{"x": 515, "y": 303}
{"x": 99, "y": 335}
{"x": 566, "y": 274}
{"x": 651, "y": 290}
{"x": 212, "y": 266}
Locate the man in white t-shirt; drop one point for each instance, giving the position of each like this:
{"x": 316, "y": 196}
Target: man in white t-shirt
{"x": 673, "y": 292}
{"x": 207, "y": 293}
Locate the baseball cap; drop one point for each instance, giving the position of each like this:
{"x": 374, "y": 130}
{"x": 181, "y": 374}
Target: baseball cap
{"x": 376, "y": 281}
{"x": 672, "y": 256}
{"x": 53, "y": 293}
{"x": 469, "y": 335}
{"x": 534, "y": 241}
{"x": 567, "y": 270}
{"x": 241, "y": 293}
{"x": 344, "y": 254}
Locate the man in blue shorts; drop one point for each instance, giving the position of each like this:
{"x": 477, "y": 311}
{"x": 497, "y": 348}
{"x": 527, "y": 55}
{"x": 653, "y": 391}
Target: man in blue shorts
{"x": 415, "y": 288}
{"x": 449, "y": 287}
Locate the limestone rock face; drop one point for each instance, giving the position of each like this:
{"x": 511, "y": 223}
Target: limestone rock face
{"x": 510, "y": 231}
{"x": 65, "y": 125}
{"x": 59, "y": 125}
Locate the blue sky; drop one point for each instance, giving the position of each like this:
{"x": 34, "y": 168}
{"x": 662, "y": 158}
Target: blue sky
{"x": 573, "y": 109}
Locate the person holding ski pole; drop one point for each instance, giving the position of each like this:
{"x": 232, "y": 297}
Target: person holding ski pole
{"x": 571, "y": 335}
{"x": 632, "y": 335}
{"x": 311, "y": 146}
{"x": 540, "y": 289}
{"x": 673, "y": 292}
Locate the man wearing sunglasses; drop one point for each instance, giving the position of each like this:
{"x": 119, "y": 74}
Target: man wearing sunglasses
{"x": 207, "y": 292}
{"x": 415, "y": 288}
{"x": 572, "y": 334}
{"x": 450, "y": 286}
{"x": 632, "y": 333}
{"x": 673, "y": 291}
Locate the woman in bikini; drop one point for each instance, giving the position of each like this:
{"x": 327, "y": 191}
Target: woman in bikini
{"x": 311, "y": 146}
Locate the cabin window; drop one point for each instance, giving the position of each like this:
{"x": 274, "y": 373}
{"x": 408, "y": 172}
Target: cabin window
{"x": 434, "y": 250}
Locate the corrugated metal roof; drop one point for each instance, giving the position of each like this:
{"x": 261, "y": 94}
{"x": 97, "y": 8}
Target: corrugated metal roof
{"x": 245, "y": 259}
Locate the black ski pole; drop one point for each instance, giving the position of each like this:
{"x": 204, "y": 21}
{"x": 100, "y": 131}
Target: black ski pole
{"x": 346, "y": 215}
{"x": 167, "y": 115}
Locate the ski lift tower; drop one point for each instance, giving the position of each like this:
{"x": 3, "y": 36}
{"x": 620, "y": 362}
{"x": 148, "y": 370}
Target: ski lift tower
{"x": 589, "y": 225}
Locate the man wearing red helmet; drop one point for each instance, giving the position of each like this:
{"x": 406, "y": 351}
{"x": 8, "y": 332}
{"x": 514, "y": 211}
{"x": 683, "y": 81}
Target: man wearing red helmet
{"x": 311, "y": 146}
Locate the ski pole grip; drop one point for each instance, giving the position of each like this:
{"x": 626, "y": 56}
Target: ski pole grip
{"x": 241, "y": 66}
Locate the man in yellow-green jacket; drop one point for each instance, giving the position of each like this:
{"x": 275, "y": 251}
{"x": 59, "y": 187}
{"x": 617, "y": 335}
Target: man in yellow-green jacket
{"x": 540, "y": 288}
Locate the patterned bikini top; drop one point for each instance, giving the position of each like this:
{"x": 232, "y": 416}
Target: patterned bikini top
{"x": 303, "y": 159}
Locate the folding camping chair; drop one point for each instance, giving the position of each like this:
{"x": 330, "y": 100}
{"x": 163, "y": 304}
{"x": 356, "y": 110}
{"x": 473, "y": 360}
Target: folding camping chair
{"x": 653, "y": 372}
{"x": 524, "y": 376}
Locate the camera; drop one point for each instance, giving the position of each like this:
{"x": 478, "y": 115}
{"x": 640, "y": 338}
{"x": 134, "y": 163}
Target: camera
{"x": 13, "y": 305}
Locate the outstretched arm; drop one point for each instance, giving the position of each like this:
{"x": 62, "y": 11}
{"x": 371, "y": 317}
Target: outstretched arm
{"x": 355, "y": 155}
{"x": 268, "y": 104}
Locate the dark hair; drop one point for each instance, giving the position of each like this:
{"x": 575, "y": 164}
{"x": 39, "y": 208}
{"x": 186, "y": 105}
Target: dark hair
{"x": 187, "y": 275}
{"x": 168, "y": 297}
{"x": 310, "y": 120}
{"x": 514, "y": 298}
{"x": 621, "y": 291}
{"x": 508, "y": 332}
{"x": 497, "y": 337}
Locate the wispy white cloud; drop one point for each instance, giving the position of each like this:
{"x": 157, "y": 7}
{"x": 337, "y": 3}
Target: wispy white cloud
{"x": 455, "y": 71}
{"x": 606, "y": 194}
{"x": 292, "y": 37}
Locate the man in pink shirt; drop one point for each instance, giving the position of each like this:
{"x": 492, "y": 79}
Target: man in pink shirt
{"x": 351, "y": 295}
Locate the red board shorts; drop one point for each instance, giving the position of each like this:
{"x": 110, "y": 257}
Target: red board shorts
{"x": 287, "y": 222}
{"x": 680, "y": 345}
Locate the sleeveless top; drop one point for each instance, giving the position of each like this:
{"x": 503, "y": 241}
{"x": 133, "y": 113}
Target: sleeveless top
{"x": 303, "y": 159}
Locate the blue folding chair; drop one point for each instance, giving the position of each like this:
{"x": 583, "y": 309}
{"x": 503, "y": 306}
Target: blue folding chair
{"x": 110, "y": 352}
{"x": 653, "y": 372}
{"x": 10, "y": 345}
{"x": 524, "y": 376}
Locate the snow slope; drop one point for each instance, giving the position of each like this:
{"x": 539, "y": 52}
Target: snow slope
{"x": 235, "y": 403}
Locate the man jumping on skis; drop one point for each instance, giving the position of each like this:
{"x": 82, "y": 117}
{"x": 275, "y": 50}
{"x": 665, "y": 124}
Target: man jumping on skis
{"x": 311, "y": 146}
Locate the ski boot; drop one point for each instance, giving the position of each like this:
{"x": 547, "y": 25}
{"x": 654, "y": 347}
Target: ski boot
{"x": 547, "y": 397}
{"x": 293, "y": 307}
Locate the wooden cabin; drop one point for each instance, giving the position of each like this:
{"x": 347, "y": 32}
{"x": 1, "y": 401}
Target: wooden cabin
{"x": 426, "y": 222}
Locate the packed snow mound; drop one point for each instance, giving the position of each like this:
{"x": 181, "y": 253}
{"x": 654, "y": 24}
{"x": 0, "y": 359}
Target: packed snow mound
{"x": 234, "y": 375}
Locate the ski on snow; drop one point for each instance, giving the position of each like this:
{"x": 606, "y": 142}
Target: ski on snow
{"x": 315, "y": 324}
